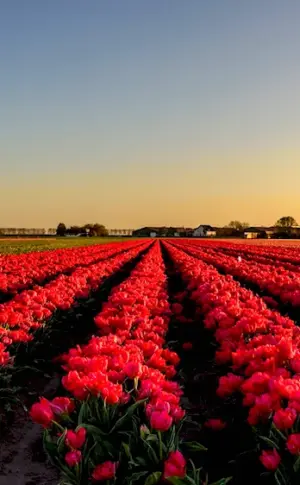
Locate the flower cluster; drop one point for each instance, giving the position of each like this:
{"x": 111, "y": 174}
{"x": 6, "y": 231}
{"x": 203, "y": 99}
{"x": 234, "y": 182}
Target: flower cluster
{"x": 127, "y": 364}
{"x": 261, "y": 346}
{"x": 19, "y": 272}
{"x": 279, "y": 280}
{"x": 269, "y": 253}
{"x": 133, "y": 323}
{"x": 31, "y": 309}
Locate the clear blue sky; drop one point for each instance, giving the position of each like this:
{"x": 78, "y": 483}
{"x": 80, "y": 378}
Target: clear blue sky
{"x": 132, "y": 112}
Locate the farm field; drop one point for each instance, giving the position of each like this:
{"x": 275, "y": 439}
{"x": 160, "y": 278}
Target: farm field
{"x": 262, "y": 242}
{"x": 26, "y": 245}
{"x": 150, "y": 361}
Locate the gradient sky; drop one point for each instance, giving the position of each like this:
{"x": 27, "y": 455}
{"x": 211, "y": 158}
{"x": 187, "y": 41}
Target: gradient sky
{"x": 161, "y": 112}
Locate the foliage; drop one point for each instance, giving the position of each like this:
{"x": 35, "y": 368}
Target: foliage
{"x": 239, "y": 226}
{"x": 61, "y": 229}
{"x": 286, "y": 222}
{"x": 92, "y": 230}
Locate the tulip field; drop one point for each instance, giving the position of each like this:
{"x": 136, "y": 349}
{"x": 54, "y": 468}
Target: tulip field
{"x": 151, "y": 362}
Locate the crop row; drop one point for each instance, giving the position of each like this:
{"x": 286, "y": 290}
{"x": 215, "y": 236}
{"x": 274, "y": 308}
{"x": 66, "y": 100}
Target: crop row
{"x": 18, "y": 272}
{"x": 262, "y": 350}
{"x": 287, "y": 262}
{"x": 274, "y": 253}
{"x": 32, "y": 309}
{"x": 282, "y": 284}
{"x": 257, "y": 257}
{"x": 123, "y": 418}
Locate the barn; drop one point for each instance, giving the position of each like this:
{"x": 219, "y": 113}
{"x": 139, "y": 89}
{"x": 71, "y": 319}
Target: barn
{"x": 205, "y": 230}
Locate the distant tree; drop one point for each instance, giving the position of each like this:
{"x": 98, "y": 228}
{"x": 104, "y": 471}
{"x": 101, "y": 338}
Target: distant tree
{"x": 74, "y": 230}
{"x": 88, "y": 228}
{"x": 239, "y": 226}
{"x": 287, "y": 222}
{"x": 61, "y": 229}
{"x": 99, "y": 230}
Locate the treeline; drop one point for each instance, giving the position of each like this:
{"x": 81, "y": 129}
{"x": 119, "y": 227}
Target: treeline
{"x": 86, "y": 230}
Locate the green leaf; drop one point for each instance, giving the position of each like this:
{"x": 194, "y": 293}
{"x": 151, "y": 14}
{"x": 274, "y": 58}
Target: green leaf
{"x": 277, "y": 431}
{"x": 176, "y": 481}
{"x": 66, "y": 471}
{"x": 277, "y": 480}
{"x": 296, "y": 466}
{"x": 171, "y": 444}
{"x": 61, "y": 442}
{"x": 153, "y": 456}
{"x": 269, "y": 442}
{"x": 88, "y": 454}
{"x": 223, "y": 481}
{"x": 153, "y": 478}
{"x": 93, "y": 430}
{"x": 151, "y": 437}
{"x": 128, "y": 414}
{"x": 81, "y": 415}
{"x": 136, "y": 476}
{"x": 195, "y": 446}
{"x": 141, "y": 461}
{"x": 127, "y": 450}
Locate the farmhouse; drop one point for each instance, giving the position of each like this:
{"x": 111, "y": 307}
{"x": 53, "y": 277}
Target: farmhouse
{"x": 259, "y": 232}
{"x": 146, "y": 232}
{"x": 162, "y": 232}
{"x": 205, "y": 230}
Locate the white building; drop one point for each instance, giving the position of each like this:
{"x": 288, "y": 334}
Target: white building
{"x": 204, "y": 231}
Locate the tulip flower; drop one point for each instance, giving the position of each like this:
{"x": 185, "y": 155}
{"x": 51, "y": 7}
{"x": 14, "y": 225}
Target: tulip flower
{"x": 42, "y": 413}
{"x": 76, "y": 439}
{"x": 72, "y": 458}
{"x": 105, "y": 471}
{"x": 270, "y": 459}
{"x": 160, "y": 421}
{"x": 174, "y": 466}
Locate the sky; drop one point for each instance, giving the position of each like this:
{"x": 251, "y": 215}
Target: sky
{"x": 164, "y": 112}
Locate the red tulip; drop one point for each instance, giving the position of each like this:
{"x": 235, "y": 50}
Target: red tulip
{"x": 76, "y": 439}
{"x": 105, "y": 471}
{"x": 133, "y": 370}
{"x": 160, "y": 420}
{"x": 41, "y": 413}
{"x": 72, "y": 458}
{"x": 270, "y": 459}
{"x": 174, "y": 466}
{"x": 187, "y": 346}
{"x": 62, "y": 405}
{"x": 284, "y": 418}
{"x": 215, "y": 424}
{"x": 293, "y": 444}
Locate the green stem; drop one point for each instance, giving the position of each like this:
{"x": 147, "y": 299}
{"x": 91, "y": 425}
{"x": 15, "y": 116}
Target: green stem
{"x": 59, "y": 426}
{"x": 160, "y": 446}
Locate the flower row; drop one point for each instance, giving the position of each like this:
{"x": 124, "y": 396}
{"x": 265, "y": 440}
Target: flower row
{"x": 18, "y": 272}
{"x": 288, "y": 254}
{"x": 247, "y": 254}
{"x": 122, "y": 423}
{"x": 261, "y": 347}
{"x": 277, "y": 282}
{"x": 32, "y": 309}
{"x": 289, "y": 262}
